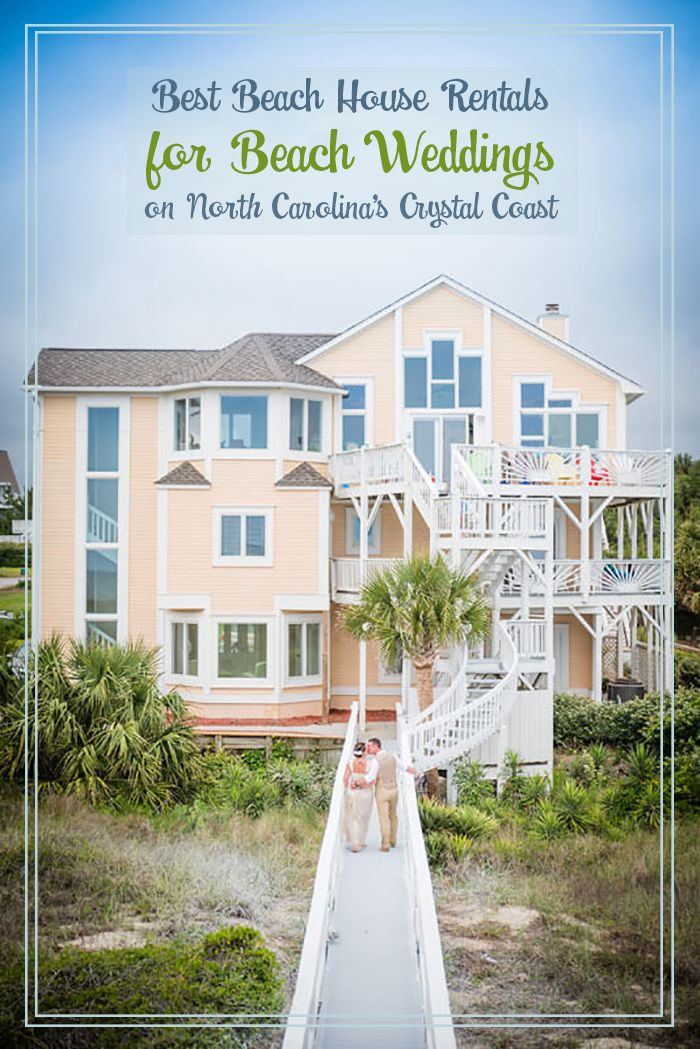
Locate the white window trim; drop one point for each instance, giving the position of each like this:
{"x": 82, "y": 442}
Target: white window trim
{"x": 170, "y": 675}
{"x": 551, "y": 393}
{"x": 303, "y": 679}
{"x": 266, "y": 682}
{"x": 81, "y": 615}
{"x": 221, "y": 560}
{"x": 373, "y": 547}
{"x": 186, "y": 453}
{"x": 304, "y": 452}
{"x": 368, "y": 411}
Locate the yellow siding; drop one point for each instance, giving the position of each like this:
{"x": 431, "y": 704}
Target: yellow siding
{"x": 517, "y": 352}
{"x": 233, "y": 589}
{"x": 370, "y": 352}
{"x": 443, "y": 308}
{"x": 143, "y": 528}
{"x": 58, "y": 515}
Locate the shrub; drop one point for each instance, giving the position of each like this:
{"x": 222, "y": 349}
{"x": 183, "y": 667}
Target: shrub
{"x": 686, "y": 722}
{"x": 647, "y": 809}
{"x": 436, "y": 848}
{"x": 571, "y": 801}
{"x": 686, "y": 669}
{"x": 434, "y": 816}
{"x": 578, "y": 721}
{"x": 228, "y": 971}
{"x": 472, "y": 787}
{"x": 458, "y": 845}
{"x": 547, "y": 822}
{"x": 12, "y": 555}
{"x": 470, "y": 822}
{"x": 108, "y": 733}
{"x": 687, "y": 779}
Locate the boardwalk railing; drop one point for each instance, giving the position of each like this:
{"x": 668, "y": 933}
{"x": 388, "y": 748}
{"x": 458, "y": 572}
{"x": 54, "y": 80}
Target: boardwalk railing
{"x": 300, "y": 1032}
{"x": 439, "y": 1031}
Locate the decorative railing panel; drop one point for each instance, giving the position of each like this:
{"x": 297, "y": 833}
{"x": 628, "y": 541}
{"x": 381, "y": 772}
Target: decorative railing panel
{"x": 594, "y": 467}
{"x": 627, "y": 577}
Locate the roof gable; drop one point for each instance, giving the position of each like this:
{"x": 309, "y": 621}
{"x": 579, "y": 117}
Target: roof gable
{"x": 631, "y": 388}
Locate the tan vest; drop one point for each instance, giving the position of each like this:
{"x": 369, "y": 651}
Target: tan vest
{"x": 386, "y": 773}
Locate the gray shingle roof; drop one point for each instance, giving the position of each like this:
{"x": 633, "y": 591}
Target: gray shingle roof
{"x": 184, "y": 473}
{"x": 303, "y": 476}
{"x": 268, "y": 358}
{"x": 7, "y": 474}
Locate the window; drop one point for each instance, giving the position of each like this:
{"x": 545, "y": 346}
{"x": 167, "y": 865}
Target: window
{"x": 447, "y": 377}
{"x": 390, "y": 673}
{"x": 415, "y": 372}
{"x": 102, "y": 525}
{"x": 242, "y": 650}
{"x": 305, "y": 424}
{"x": 188, "y": 423}
{"x": 243, "y": 422}
{"x": 304, "y": 649}
{"x": 551, "y": 419}
{"x": 352, "y": 534}
{"x": 243, "y": 536}
{"x": 354, "y": 415}
{"x": 184, "y": 649}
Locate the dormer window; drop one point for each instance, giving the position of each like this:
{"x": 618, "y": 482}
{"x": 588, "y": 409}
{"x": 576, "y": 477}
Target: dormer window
{"x": 444, "y": 376}
{"x": 188, "y": 423}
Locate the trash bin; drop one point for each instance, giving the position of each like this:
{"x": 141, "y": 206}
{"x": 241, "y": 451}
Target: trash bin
{"x": 623, "y": 691}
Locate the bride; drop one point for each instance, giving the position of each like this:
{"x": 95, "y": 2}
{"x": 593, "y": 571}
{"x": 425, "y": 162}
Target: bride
{"x": 357, "y": 806}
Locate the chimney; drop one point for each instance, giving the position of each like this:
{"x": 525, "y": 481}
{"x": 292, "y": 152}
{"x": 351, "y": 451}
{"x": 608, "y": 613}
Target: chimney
{"x": 554, "y": 322}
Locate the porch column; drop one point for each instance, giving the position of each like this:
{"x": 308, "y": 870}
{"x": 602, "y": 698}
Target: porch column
{"x": 362, "y": 690}
{"x": 597, "y": 658}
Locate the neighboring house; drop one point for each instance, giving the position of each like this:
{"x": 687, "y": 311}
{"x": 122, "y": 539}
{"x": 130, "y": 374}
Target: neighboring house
{"x": 222, "y": 504}
{"x": 8, "y": 480}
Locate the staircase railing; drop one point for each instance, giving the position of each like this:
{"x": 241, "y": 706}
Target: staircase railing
{"x": 300, "y": 1032}
{"x": 464, "y": 716}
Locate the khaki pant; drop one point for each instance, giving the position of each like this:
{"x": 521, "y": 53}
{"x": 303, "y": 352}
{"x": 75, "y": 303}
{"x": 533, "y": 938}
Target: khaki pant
{"x": 387, "y": 800}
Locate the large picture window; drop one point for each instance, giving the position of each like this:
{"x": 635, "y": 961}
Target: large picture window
{"x": 242, "y": 651}
{"x": 445, "y": 376}
{"x": 243, "y": 422}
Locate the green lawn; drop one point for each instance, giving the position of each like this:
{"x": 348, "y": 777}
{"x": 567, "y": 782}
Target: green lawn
{"x": 13, "y": 600}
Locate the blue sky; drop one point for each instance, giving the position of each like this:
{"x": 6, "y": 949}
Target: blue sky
{"x": 101, "y": 286}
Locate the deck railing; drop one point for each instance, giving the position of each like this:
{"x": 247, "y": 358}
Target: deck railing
{"x": 605, "y": 577}
{"x": 300, "y": 1032}
{"x": 483, "y": 517}
{"x": 101, "y": 528}
{"x": 529, "y": 637}
{"x": 348, "y": 575}
{"x": 595, "y": 467}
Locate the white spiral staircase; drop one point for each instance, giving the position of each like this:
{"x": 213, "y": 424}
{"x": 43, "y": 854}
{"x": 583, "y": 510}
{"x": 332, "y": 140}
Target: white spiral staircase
{"x": 481, "y": 533}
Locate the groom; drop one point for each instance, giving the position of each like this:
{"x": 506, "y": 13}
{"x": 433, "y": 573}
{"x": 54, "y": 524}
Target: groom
{"x": 382, "y": 772}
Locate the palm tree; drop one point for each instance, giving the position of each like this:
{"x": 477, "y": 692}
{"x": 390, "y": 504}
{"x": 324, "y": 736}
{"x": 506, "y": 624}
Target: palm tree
{"x": 413, "y": 609}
